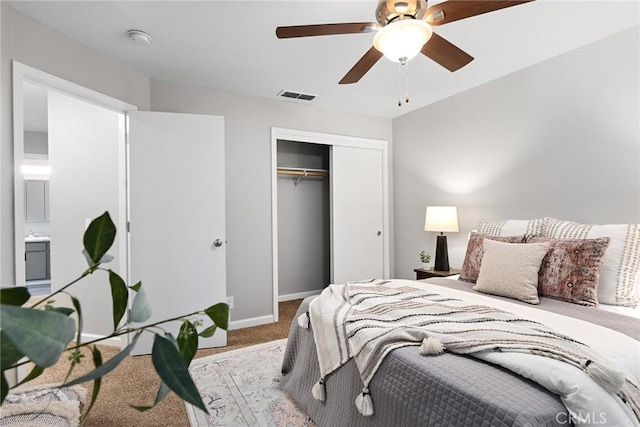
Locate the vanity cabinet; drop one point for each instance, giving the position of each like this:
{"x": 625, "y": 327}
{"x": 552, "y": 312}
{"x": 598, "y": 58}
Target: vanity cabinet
{"x": 37, "y": 261}
{"x": 36, "y": 198}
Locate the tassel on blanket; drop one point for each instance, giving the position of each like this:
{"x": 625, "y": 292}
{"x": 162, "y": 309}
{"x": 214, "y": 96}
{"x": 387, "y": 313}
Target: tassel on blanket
{"x": 303, "y": 320}
{"x": 431, "y": 345}
{"x": 318, "y": 391}
{"x": 364, "y": 403}
{"x": 609, "y": 378}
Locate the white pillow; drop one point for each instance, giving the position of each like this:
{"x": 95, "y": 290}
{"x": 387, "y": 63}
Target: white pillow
{"x": 621, "y": 264}
{"x": 511, "y": 269}
{"x": 511, "y": 227}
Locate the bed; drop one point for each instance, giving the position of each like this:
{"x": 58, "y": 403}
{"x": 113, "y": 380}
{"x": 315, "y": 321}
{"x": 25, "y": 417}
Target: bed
{"x": 410, "y": 388}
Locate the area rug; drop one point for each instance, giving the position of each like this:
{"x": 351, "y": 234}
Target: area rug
{"x": 242, "y": 388}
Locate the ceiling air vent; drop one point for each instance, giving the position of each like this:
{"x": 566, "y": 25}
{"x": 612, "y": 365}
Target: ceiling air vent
{"x": 296, "y": 95}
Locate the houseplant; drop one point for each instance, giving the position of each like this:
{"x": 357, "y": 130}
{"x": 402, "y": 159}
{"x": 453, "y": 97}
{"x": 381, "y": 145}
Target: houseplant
{"x": 425, "y": 258}
{"x": 42, "y": 332}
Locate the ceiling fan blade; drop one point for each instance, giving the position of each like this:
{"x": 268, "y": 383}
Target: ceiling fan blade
{"x": 445, "y": 53}
{"x": 454, "y": 10}
{"x": 325, "y": 29}
{"x": 362, "y": 66}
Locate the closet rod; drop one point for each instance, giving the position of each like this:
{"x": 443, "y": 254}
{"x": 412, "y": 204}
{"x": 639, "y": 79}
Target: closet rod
{"x": 303, "y": 172}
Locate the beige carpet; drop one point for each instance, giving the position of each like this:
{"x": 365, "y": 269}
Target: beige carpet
{"x": 135, "y": 382}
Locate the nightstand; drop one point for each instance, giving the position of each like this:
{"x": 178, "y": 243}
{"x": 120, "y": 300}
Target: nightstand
{"x": 425, "y": 274}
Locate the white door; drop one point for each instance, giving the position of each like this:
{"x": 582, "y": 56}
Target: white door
{"x": 356, "y": 214}
{"x": 177, "y": 215}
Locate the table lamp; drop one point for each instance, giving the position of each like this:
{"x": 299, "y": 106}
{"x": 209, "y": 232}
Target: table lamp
{"x": 441, "y": 218}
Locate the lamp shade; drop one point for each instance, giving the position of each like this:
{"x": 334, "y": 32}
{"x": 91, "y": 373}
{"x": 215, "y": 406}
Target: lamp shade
{"x": 402, "y": 40}
{"x": 441, "y": 218}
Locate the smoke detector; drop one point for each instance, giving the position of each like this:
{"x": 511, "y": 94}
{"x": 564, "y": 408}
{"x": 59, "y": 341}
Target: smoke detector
{"x": 139, "y": 37}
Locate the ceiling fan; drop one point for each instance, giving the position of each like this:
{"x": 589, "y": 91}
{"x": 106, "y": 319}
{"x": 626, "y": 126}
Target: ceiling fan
{"x": 403, "y": 29}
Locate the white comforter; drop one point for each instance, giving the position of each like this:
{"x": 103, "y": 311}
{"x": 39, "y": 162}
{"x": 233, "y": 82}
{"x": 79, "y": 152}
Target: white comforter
{"x": 588, "y": 403}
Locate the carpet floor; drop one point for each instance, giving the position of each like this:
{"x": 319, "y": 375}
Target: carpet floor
{"x": 134, "y": 381}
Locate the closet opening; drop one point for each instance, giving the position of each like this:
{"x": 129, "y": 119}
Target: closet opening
{"x": 304, "y": 219}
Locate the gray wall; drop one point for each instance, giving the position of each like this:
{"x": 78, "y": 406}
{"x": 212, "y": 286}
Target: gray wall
{"x": 304, "y": 230}
{"x": 561, "y": 138}
{"x": 248, "y": 122}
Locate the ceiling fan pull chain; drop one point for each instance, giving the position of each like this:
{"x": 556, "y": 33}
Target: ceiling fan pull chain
{"x": 406, "y": 81}
{"x": 399, "y": 84}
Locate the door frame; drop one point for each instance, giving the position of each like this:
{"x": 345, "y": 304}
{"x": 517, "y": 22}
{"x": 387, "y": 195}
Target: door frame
{"x": 331, "y": 140}
{"x": 25, "y": 74}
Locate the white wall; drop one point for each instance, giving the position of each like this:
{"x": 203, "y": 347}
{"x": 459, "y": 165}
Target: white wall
{"x": 36, "y": 143}
{"x": 561, "y": 138}
{"x": 85, "y": 142}
{"x": 36, "y": 45}
{"x": 248, "y": 122}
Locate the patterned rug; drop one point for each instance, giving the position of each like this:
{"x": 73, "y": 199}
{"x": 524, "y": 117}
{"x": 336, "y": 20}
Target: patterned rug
{"x": 242, "y": 388}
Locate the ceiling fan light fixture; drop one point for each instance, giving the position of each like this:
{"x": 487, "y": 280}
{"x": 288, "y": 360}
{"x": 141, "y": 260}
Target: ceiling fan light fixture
{"x": 402, "y": 40}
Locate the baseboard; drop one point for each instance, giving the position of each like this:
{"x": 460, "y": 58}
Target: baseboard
{"x": 298, "y": 295}
{"x": 253, "y": 321}
{"x": 114, "y": 341}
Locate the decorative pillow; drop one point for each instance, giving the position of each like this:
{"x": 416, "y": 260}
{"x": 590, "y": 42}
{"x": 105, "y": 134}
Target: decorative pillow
{"x": 39, "y": 414}
{"x": 43, "y": 405}
{"x": 511, "y": 270}
{"x": 621, "y": 264}
{"x": 571, "y": 269}
{"x": 511, "y": 227}
{"x": 473, "y": 257}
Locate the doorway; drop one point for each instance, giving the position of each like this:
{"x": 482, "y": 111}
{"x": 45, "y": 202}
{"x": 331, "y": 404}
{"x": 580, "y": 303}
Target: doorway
{"x": 69, "y": 166}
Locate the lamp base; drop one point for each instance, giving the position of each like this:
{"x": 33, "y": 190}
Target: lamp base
{"x": 442, "y": 255}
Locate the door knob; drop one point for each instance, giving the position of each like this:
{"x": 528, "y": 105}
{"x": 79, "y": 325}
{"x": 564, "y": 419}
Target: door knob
{"x": 379, "y": 233}
{"x": 217, "y": 243}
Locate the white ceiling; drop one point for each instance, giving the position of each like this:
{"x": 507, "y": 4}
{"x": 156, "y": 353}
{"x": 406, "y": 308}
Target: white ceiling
{"x": 231, "y": 45}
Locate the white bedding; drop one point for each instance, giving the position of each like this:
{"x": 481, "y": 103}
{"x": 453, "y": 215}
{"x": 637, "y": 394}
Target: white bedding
{"x": 581, "y": 395}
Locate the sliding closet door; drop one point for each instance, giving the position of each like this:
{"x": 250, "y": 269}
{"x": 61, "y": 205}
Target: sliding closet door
{"x": 357, "y": 214}
{"x": 177, "y": 211}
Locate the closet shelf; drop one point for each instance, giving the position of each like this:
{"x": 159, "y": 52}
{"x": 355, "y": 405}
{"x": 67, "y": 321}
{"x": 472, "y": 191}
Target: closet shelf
{"x": 299, "y": 173}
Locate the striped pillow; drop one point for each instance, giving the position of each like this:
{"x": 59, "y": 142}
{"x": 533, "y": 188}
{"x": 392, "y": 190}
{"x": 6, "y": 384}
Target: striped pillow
{"x": 511, "y": 227}
{"x": 621, "y": 265}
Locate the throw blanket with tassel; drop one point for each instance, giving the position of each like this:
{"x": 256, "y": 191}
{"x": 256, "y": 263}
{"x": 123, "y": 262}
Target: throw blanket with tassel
{"x": 367, "y": 320}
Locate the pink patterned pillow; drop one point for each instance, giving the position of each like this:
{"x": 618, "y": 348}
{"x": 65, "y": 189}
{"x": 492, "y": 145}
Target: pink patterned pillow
{"x": 475, "y": 251}
{"x": 571, "y": 269}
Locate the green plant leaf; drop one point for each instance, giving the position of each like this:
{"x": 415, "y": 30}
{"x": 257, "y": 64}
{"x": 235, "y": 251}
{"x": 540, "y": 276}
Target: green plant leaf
{"x": 9, "y": 355}
{"x": 76, "y": 304}
{"x": 140, "y": 309}
{"x": 64, "y": 310}
{"x": 187, "y": 341}
{"x": 174, "y": 372}
{"x": 41, "y": 335}
{"x": 119, "y": 297}
{"x": 97, "y": 362}
{"x": 98, "y": 238}
{"x": 4, "y": 388}
{"x": 219, "y": 313}
{"x": 35, "y": 373}
{"x": 16, "y": 295}
{"x": 163, "y": 390}
{"x": 106, "y": 367}
{"x": 208, "y": 332}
